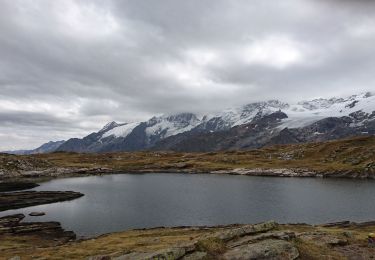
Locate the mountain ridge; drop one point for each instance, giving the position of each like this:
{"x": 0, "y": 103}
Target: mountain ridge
{"x": 253, "y": 125}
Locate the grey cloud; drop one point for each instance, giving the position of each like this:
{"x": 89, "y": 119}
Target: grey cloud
{"x": 68, "y": 66}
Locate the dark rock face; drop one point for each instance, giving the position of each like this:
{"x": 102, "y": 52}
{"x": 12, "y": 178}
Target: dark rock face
{"x": 330, "y": 128}
{"x": 24, "y": 199}
{"x": 85, "y": 144}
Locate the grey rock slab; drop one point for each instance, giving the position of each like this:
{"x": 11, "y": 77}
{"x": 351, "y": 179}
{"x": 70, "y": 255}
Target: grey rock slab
{"x": 232, "y": 233}
{"x": 266, "y": 249}
{"x": 170, "y": 254}
{"x": 285, "y": 235}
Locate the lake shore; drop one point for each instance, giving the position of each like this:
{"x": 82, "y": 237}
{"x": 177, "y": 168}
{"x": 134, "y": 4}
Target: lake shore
{"x": 53, "y": 173}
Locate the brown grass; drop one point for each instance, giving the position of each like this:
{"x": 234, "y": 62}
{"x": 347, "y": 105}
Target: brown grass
{"x": 350, "y": 154}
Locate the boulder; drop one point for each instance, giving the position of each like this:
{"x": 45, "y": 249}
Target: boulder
{"x": 232, "y": 233}
{"x": 195, "y": 256}
{"x": 169, "y": 253}
{"x": 282, "y": 235}
{"x": 266, "y": 249}
{"x": 322, "y": 238}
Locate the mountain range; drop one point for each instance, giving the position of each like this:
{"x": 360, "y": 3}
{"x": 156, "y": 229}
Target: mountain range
{"x": 250, "y": 126}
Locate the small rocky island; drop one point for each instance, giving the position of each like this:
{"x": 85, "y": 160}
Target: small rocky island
{"x": 17, "y": 200}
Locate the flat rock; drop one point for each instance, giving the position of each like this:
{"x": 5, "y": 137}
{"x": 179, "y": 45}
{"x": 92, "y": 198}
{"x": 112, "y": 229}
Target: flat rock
{"x": 322, "y": 238}
{"x": 282, "y": 235}
{"x": 195, "y": 256}
{"x": 266, "y": 249}
{"x": 37, "y": 214}
{"x": 245, "y": 230}
{"x": 169, "y": 253}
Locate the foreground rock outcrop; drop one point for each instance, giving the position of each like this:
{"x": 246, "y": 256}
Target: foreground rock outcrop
{"x": 243, "y": 242}
{"x": 269, "y": 240}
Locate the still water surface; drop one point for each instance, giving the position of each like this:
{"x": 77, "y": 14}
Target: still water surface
{"x": 126, "y": 201}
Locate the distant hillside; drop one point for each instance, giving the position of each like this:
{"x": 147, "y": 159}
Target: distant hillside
{"x": 44, "y": 148}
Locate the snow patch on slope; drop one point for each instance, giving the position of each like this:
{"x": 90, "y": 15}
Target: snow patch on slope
{"x": 245, "y": 114}
{"x": 166, "y": 126}
{"x": 307, "y": 112}
{"x": 121, "y": 131}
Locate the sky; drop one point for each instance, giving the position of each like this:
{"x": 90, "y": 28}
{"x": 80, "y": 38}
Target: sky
{"x": 68, "y": 67}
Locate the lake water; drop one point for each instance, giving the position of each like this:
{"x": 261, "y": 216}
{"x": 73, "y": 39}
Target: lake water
{"x": 126, "y": 201}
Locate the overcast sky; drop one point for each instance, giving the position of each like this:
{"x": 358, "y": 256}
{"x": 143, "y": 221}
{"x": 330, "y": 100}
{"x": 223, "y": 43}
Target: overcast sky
{"x": 68, "y": 67}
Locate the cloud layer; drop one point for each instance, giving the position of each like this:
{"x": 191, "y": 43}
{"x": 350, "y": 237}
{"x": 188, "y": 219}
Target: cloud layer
{"x": 68, "y": 67}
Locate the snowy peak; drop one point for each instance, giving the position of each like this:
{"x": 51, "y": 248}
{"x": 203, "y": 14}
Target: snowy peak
{"x": 322, "y": 103}
{"x": 183, "y": 118}
{"x": 165, "y": 126}
{"x": 120, "y": 130}
{"x": 241, "y": 115}
{"x": 308, "y": 112}
{"x": 109, "y": 126}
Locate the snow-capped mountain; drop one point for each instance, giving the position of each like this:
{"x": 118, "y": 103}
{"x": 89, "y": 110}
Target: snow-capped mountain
{"x": 119, "y": 130}
{"x": 133, "y": 136}
{"x": 307, "y": 112}
{"x": 274, "y": 122}
{"x": 241, "y": 115}
{"x": 165, "y": 126}
{"x": 249, "y": 126}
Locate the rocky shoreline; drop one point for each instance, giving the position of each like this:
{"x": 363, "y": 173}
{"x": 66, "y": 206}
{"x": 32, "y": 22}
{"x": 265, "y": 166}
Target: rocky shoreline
{"x": 265, "y": 172}
{"x": 56, "y": 172}
{"x": 285, "y": 172}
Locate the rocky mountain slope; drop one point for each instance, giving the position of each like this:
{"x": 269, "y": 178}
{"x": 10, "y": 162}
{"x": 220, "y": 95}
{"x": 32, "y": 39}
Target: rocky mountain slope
{"x": 250, "y": 126}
